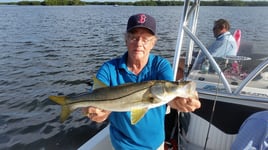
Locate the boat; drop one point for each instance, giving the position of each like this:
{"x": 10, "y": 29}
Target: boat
{"x": 233, "y": 89}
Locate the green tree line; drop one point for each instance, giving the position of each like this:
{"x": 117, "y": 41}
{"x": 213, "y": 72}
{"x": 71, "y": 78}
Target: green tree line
{"x": 52, "y": 2}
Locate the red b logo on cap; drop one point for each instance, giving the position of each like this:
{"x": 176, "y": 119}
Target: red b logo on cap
{"x": 142, "y": 18}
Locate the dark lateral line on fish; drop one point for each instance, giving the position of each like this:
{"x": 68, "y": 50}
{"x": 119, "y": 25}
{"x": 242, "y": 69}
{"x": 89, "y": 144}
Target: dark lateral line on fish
{"x": 73, "y": 102}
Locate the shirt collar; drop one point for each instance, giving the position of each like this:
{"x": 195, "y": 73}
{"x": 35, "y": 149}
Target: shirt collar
{"x": 123, "y": 61}
{"x": 223, "y": 34}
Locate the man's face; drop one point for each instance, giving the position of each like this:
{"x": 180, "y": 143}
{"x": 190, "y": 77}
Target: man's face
{"x": 139, "y": 43}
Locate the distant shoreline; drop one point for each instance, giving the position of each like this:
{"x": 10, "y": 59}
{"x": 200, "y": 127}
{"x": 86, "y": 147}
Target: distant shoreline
{"x": 137, "y": 3}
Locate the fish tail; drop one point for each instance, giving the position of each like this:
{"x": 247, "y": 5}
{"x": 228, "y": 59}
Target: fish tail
{"x": 65, "y": 113}
{"x": 65, "y": 109}
{"x": 58, "y": 99}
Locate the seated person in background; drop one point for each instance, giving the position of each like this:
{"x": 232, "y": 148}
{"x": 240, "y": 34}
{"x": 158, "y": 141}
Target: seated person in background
{"x": 224, "y": 45}
{"x": 253, "y": 134}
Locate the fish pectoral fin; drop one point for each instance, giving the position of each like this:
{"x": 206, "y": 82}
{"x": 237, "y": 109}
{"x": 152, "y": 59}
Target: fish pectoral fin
{"x": 137, "y": 115}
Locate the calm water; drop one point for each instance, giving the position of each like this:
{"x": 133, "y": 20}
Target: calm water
{"x": 57, "y": 50}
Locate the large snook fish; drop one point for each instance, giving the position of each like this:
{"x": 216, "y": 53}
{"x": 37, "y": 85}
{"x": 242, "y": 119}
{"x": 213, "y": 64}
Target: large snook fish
{"x": 134, "y": 97}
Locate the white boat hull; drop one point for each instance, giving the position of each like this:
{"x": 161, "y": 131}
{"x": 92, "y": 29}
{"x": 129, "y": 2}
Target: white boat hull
{"x": 101, "y": 141}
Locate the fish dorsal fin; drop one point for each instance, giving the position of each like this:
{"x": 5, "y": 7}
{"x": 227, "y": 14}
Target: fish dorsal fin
{"x": 137, "y": 115}
{"x": 98, "y": 84}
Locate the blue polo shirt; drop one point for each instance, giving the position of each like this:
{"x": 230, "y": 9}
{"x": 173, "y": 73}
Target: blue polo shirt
{"x": 148, "y": 133}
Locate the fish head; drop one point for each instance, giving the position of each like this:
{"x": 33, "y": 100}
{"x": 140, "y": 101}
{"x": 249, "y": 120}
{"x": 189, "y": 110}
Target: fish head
{"x": 166, "y": 91}
{"x": 181, "y": 88}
